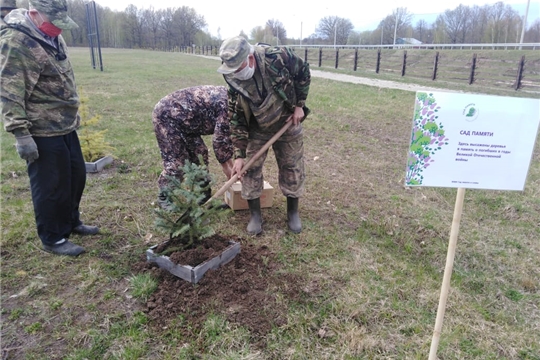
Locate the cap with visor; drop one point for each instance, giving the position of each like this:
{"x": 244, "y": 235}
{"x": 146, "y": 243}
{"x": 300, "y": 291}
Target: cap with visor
{"x": 56, "y": 11}
{"x": 233, "y": 52}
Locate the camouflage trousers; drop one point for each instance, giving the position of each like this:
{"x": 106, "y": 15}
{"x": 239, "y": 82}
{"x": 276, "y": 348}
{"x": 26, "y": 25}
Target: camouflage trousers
{"x": 289, "y": 152}
{"x": 176, "y": 146}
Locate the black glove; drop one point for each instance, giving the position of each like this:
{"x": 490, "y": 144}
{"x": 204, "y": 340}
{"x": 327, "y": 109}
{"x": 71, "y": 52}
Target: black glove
{"x": 27, "y": 148}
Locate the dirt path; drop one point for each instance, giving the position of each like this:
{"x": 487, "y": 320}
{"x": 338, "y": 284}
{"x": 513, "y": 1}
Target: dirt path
{"x": 371, "y": 82}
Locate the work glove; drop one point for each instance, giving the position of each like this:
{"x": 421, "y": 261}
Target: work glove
{"x": 27, "y": 148}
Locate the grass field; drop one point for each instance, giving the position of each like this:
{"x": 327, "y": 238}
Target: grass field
{"x": 374, "y": 249}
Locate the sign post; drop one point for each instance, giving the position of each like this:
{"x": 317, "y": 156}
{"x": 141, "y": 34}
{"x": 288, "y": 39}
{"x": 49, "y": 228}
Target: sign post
{"x": 469, "y": 141}
{"x": 445, "y": 288}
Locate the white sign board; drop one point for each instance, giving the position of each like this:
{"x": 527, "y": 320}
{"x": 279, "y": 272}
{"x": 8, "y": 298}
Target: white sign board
{"x": 471, "y": 141}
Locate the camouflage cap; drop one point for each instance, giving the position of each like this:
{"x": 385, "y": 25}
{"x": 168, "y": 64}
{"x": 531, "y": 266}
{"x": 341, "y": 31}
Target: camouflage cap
{"x": 56, "y": 11}
{"x": 233, "y": 52}
{"x": 8, "y": 4}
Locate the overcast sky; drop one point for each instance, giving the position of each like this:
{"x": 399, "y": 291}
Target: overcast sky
{"x": 228, "y": 18}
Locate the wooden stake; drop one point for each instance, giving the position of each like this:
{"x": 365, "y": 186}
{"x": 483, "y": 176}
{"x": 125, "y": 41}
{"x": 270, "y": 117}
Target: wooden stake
{"x": 458, "y": 209}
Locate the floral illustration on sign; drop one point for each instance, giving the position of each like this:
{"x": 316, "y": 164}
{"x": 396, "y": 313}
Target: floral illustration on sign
{"x": 427, "y": 138}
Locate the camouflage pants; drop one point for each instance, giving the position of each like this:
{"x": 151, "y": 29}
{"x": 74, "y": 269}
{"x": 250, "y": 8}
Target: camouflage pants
{"x": 289, "y": 152}
{"x": 177, "y": 144}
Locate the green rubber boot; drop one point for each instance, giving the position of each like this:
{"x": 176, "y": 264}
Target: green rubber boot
{"x": 255, "y": 222}
{"x": 295, "y": 225}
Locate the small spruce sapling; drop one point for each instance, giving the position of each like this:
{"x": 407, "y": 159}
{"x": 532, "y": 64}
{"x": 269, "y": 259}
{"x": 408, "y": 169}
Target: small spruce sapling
{"x": 93, "y": 144}
{"x": 185, "y": 217}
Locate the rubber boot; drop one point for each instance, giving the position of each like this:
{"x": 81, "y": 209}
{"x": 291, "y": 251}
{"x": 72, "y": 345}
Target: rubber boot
{"x": 255, "y": 222}
{"x": 207, "y": 196}
{"x": 295, "y": 225}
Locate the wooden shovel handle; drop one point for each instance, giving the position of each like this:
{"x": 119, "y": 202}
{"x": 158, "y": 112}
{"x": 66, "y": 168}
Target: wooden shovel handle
{"x": 247, "y": 165}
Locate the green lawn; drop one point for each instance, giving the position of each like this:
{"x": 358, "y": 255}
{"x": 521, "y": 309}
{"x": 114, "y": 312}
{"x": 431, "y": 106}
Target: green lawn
{"x": 372, "y": 251}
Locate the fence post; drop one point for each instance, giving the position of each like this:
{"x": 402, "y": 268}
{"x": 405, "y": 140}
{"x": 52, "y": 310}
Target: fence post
{"x": 404, "y": 64}
{"x": 520, "y": 73}
{"x": 305, "y": 55}
{"x": 320, "y": 56}
{"x": 355, "y": 59}
{"x": 435, "y": 65}
{"x": 473, "y": 67}
{"x": 378, "y": 65}
{"x": 337, "y": 58}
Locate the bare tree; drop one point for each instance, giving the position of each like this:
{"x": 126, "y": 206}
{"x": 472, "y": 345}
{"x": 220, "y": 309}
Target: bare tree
{"x": 168, "y": 28}
{"x": 497, "y": 20}
{"x": 421, "y": 31}
{"x": 440, "y": 35}
{"x": 402, "y": 22}
{"x": 133, "y": 26}
{"x": 276, "y": 28}
{"x": 257, "y": 34}
{"x": 334, "y": 29}
{"x": 533, "y": 33}
{"x": 189, "y": 23}
{"x": 456, "y": 23}
{"x": 151, "y": 19}
{"x": 398, "y": 23}
{"x": 355, "y": 38}
{"x": 478, "y": 19}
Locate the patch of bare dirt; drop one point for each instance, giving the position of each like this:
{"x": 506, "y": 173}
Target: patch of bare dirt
{"x": 245, "y": 291}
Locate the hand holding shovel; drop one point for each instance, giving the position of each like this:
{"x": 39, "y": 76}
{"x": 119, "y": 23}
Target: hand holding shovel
{"x": 250, "y": 162}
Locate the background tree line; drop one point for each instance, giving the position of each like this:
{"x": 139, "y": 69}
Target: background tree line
{"x": 183, "y": 26}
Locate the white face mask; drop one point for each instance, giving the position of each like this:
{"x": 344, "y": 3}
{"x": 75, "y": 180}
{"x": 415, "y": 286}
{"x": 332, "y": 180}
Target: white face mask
{"x": 246, "y": 73}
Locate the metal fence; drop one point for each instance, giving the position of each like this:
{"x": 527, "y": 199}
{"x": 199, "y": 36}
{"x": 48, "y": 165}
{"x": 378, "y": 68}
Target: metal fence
{"x": 510, "y": 66}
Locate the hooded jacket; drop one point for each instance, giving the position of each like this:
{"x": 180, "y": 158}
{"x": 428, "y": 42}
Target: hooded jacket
{"x": 37, "y": 90}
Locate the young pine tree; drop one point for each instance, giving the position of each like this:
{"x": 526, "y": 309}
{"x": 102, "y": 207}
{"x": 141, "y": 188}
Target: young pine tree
{"x": 185, "y": 218}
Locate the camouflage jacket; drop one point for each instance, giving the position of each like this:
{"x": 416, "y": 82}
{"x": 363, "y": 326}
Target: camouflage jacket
{"x": 194, "y": 111}
{"x": 279, "y": 70}
{"x": 38, "y": 91}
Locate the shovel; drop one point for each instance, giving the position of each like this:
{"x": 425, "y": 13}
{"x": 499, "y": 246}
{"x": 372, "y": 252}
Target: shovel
{"x": 247, "y": 165}
{"x": 185, "y": 216}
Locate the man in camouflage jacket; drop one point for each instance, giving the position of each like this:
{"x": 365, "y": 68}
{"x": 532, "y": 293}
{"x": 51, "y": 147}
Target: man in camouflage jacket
{"x": 180, "y": 119}
{"x": 39, "y": 107}
{"x": 268, "y": 86}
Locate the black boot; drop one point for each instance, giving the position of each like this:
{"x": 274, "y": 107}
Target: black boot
{"x": 255, "y": 222}
{"x": 295, "y": 225}
{"x": 207, "y": 196}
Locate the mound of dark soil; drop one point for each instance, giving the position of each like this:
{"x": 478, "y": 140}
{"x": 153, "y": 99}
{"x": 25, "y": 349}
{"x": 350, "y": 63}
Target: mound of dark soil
{"x": 207, "y": 249}
{"x": 244, "y": 291}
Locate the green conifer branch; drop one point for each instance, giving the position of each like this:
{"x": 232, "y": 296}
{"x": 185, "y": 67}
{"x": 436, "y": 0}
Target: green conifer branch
{"x": 93, "y": 143}
{"x": 186, "y": 218}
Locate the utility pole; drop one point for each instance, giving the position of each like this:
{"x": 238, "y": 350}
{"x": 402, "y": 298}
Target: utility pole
{"x": 335, "y": 33}
{"x": 395, "y": 27}
{"x": 524, "y": 24}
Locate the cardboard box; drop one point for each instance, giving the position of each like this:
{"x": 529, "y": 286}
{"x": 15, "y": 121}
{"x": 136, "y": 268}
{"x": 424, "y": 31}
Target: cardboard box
{"x": 233, "y": 196}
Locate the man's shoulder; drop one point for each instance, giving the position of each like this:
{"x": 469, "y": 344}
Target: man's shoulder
{"x": 17, "y": 33}
{"x": 283, "y": 51}
{"x": 270, "y": 49}
{"x": 25, "y": 45}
